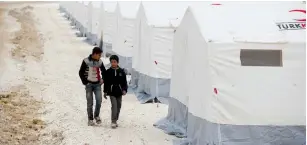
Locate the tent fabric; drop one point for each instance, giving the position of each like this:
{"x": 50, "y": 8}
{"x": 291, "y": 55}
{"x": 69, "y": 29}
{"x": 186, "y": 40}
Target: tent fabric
{"x": 181, "y": 123}
{"x": 90, "y": 18}
{"x": 219, "y": 90}
{"x": 152, "y": 58}
{"x": 228, "y": 103}
{"x": 109, "y": 24}
{"x": 94, "y": 22}
{"x": 150, "y": 88}
{"x": 124, "y": 38}
{"x": 77, "y": 12}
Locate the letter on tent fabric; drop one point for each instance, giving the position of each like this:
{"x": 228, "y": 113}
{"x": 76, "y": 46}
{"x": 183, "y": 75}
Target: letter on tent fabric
{"x": 298, "y": 26}
{"x": 285, "y": 26}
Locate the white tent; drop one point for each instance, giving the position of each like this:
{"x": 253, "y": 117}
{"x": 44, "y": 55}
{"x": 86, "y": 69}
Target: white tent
{"x": 244, "y": 78}
{"x": 109, "y": 24}
{"x": 77, "y": 12}
{"x": 81, "y": 17}
{"x": 124, "y": 38}
{"x": 152, "y": 56}
{"x": 94, "y": 20}
{"x": 68, "y": 8}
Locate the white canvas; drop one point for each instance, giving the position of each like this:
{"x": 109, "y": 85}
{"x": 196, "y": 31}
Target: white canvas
{"x": 96, "y": 17}
{"x": 125, "y": 35}
{"x": 215, "y": 99}
{"x": 109, "y": 21}
{"x": 152, "y": 58}
{"x": 158, "y": 26}
{"x": 262, "y": 85}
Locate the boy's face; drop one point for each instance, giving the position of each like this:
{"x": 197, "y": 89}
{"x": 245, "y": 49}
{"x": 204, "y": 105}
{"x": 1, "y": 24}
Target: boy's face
{"x": 97, "y": 56}
{"x": 114, "y": 63}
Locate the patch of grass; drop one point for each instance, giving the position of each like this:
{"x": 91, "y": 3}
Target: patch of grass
{"x": 37, "y": 122}
{"x": 19, "y": 123}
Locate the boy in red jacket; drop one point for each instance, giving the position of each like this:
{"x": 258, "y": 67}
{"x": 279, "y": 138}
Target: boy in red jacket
{"x": 92, "y": 74}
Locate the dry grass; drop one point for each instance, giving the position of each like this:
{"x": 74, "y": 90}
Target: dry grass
{"x": 27, "y": 40}
{"x": 20, "y": 121}
{"x": 18, "y": 117}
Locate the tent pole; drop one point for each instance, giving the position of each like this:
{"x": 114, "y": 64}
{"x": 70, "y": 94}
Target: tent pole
{"x": 157, "y": 83}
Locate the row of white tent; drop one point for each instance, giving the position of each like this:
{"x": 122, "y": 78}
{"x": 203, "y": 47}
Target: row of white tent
{"x": 235, "y": 71}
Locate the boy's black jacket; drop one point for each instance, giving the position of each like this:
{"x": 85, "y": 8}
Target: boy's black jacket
{"x": 115, "y": 82}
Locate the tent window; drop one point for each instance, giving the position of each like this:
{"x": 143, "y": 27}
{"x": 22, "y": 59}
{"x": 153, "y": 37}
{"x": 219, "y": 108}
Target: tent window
{"x": 250, "y": 57}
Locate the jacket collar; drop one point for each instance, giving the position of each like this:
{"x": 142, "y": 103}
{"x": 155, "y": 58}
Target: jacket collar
{"x": 115, "y": 68}
{"x": 91, "y": 59}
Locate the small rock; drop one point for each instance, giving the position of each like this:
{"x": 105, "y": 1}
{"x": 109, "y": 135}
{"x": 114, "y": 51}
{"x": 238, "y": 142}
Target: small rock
{"x": 30, "y": 126}
{"x": 33, "y": 138}
{"x": 18, "y": 137}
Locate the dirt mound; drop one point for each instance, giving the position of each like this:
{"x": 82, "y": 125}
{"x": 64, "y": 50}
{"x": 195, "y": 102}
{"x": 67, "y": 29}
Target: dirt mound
{"x": 28, "y": 41}
{"x": 18, "y": 117}
{"x": 20, "y": 122}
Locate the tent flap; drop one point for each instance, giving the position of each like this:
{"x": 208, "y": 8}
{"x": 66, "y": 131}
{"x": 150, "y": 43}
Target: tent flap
{"x": 148, "y": 88}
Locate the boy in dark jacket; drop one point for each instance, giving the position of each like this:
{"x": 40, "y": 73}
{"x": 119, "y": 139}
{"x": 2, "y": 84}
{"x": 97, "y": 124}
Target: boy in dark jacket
{"x": 91, "y": 74}
{"x": 115, "y": 86}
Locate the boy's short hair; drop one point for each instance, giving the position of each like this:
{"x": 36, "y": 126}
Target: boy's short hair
{"x": 96, "y": 50}
{"x": 114, "y": 57}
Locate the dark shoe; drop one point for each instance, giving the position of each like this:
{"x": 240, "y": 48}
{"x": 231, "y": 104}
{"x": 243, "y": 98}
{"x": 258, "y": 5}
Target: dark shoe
{"x": 113, "y": 125}
{"x": 91, "y": 123}
{"x": 98, "y": 120}
{"x": 156, "y": 100}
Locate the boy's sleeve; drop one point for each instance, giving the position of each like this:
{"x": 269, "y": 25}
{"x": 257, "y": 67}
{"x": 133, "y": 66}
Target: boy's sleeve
{"x": 103, "y": 71}
{"x": 106, "y": 82}
{"x": 82, "y": 73}
{"x": 124, "y": 81}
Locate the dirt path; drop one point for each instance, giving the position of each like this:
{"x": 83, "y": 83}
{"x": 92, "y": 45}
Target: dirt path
{"x": 20, "y": 116}
{"x": 3, "y": 36}
{"x": 43, "y": 60}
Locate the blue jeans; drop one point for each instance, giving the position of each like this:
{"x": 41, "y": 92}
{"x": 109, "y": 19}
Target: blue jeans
{"x": 96, "y": 89}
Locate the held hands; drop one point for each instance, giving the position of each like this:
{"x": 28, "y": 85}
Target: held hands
{"x": 101, "y": 82}
{"x": 105, "y": 96}
{"x": 124, "y": 93}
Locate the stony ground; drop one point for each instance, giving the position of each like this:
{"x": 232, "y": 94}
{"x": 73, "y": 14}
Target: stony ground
{"x": 20, "y": 117}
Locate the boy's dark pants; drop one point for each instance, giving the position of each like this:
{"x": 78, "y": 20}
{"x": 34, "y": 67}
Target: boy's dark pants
{"x": 96, "y": 89}
{"x": 116, "y": 103}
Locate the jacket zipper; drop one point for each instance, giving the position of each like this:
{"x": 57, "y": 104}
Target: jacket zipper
{"x": 118, "y": 85}
{"x": 120, "y": 88}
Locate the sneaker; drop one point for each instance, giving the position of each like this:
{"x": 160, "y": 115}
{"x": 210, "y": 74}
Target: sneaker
{"x": 113, "y": 125}
{"x": 98, "y": 120}
{"x": 91, "y": 123}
